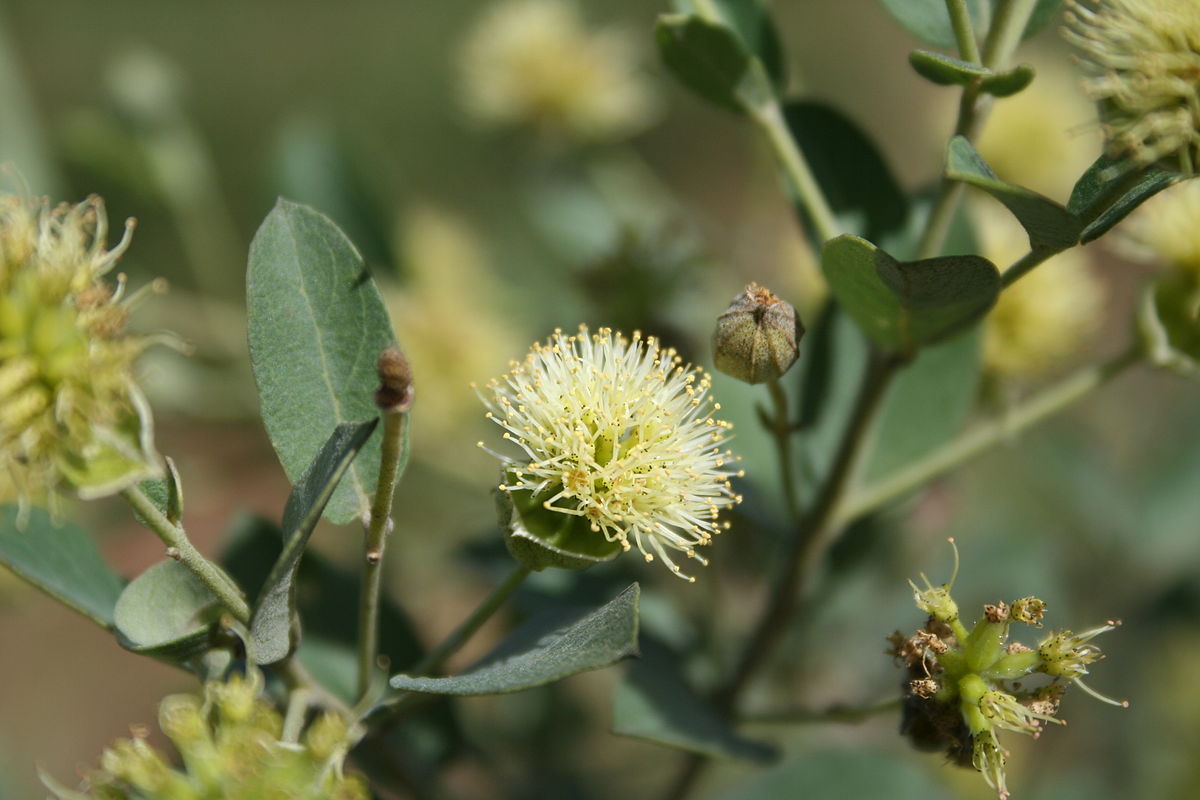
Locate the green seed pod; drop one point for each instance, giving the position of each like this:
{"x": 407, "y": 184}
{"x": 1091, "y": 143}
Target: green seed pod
{"x": 757, "y": 337}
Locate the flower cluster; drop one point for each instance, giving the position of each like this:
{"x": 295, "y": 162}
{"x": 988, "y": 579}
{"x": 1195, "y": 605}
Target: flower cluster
{"x": 531, "y": 62}
{"x": 962, "y": 690}
{"x": 70, "y": 412}
{"x": 619, "y": 433}
{"x": 230, "y": 743}
{"x": 1143, "y": 57}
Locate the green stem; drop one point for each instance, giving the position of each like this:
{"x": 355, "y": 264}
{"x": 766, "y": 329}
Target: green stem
{"x": 964, "y": 36}
{"x": 770, "y": 119}
{"x": 817, "y": 531}
{"x": 835, "y": 713}
{"x": 781, "y": 430}
{"x": 986, "y": 434}
{"x": 1012, "y": 17}
{"x": 1024, "y": 265}
{"x": 436, "y": 658}
{"x": 181, "y": 549}
{"x": 393, "y": 459}
{"x": 297, "y": 679}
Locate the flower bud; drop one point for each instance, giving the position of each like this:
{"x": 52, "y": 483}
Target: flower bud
{"x": 757, "y": 337}
{"x": 395, "y": 392}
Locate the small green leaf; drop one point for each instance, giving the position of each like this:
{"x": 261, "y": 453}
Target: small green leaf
{"x": 1169, "y": 322}
{"x": 534, "y": 656}
{"x": 539, "y": 538}
{"x": 166, "y": 612}
{"x": 751, "y": 21}
{"x": 274, "y": 627}
{"x": 852, "y": 174}
{"x": 1008, "y": 83}
{"x": 904, "y": 305}
{"x": 711, "y": 60}
{"x": 61, "y": 560}
{"x": 653, "y": 702}
{"x": 317, "y": 325}
{"x": 1110, "y": 189}
{"x": 1048, "y": 224}
{"x": 945, "y": 70}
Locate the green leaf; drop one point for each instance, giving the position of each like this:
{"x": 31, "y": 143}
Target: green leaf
{"x": 61, "y": 560}
{"x": 166, "y": 612}
{"x": 850, "y": 170}
{"x": 1008, "y": 83}
{"x": 1048, "y": 224}
{"x": 1109, "y": 190}
{"x": 274, "y": 627}
{"x": 1169, "y": 323}
{"x": 317, "y": 324}
{"x": 929, "y": 402}
{"x": 904, "y": 305}
{"x": 945, "y": 70}
{"x": 653, "y": 702}
{"x": 929, "y": 21}
{"x": 539, "y": 538}
{"x": 534, "y": 656}
{"x": 751, "y": 21}
{"x": 711, "y": 60}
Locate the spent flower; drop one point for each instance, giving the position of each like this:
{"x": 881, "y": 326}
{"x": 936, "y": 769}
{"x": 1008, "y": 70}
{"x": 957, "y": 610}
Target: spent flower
{"x": 71, "y": 413}
{"x": 963, "y": 687}
{"x": 619, "y": 434}
{"x": 1143, "y": 63}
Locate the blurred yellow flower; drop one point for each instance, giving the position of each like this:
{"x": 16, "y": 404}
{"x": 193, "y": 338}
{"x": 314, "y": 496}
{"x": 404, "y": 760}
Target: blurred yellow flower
{"x": 446, "y": 315}
{"x": 1046, "y": 136}
{"x": 533, "y": 62}
{"x": 1043, "y": 319}
{"x": 1143, "y": 63}
{"x": 71, "y": 414}
{"x": 1166, "y": 229}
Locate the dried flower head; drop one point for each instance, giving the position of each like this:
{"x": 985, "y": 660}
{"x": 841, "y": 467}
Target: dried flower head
{"x": 962, "y": 693}
{"x": 70, "y": 412}
{"x": 620, "y": 433}
{"x": 230, "y": 742}
{"x": 1143, "y": 61}
{"x": 532, "y": 62}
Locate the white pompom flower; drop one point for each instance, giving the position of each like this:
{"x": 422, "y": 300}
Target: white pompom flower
{"x": 619, "y": 432}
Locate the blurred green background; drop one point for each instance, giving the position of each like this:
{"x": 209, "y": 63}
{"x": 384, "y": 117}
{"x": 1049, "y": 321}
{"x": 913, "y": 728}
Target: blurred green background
{"x": 194, "y": 117}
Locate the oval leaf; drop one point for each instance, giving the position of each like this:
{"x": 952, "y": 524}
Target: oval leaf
{"x": 945, "y": 70}
{"x": 317, "y": 325}
{"x": 534, "y": 656}
{"x": 1006, "y": 84}
{"x": 710, "y": 60}
{"x": 274, "y": 627}
{"x": 1048, "y": 224}
{"x": 166, "y": 612}
{"x": 61, "y": 560}
{"x": 904, "y": 305}
{"x": 653, "y": 702}
{"x": 752, "y": 23}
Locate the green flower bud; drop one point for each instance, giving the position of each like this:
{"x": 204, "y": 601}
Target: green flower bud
{"x": 757, "y": 337}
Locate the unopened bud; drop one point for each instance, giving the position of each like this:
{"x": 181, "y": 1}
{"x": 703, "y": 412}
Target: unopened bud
{"x": 757, "y": 337}
{"x": 395, "y": 392}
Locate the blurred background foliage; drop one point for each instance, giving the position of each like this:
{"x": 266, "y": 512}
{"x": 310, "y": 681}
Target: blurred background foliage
{"x": 194, "y": 117}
